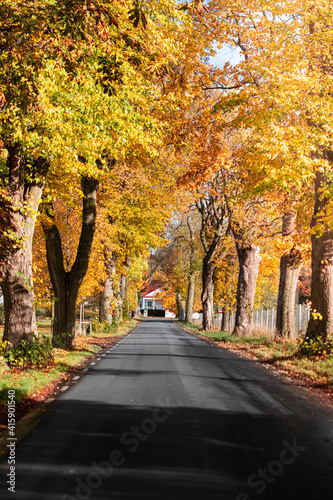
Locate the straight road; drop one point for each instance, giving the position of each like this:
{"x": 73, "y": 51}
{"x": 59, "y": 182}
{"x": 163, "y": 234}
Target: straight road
{"x": 166, "y": 415}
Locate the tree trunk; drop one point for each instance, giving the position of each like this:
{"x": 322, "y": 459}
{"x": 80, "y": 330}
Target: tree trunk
{"x": 107, "y": 295}
{"x": 321, "y": 320}
{"x": 290, "y": 266}
{"x": 190, "y": 298}
{"x": 66, "y": 284}
{"x": 123, "y": 284}
{"x": 180, "y": 307}
{"x": 17, "y": 283}
{"x": 191, "y": 277}
{"x": 106, "y": 298}
{"x": 248, "y": 258}
{"x": 225, "y": 321}
{"x": 285, "y": 313}
{"x": 207, "y": 296}
{"x": 213, "y": 229}
{"x": 101, "y": 310}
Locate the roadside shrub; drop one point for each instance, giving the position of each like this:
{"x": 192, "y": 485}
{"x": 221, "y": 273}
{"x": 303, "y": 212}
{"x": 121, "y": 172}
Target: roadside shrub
{"x": 4, "y": 344}
{"x": 96, "y": 326}
{"x": 315, "y": 347}
{"x": 103, "y": 327}
{"x": 37, "y": 353}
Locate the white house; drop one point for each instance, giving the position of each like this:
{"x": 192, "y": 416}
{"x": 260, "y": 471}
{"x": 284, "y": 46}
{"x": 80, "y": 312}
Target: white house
{"x": 151, "y": 303}
{"x": 150, "y": 299}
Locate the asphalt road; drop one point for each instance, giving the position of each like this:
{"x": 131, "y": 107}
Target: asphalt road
{"x": 165, "y": 415}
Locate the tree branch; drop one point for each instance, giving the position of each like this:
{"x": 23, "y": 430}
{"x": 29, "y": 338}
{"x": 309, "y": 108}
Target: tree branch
{"x": 80, "y": 266}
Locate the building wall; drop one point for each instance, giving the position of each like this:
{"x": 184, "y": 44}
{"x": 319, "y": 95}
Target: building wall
{"x": 150, "y": 303}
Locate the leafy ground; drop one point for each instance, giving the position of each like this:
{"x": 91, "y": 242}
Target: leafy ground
{"x": 33, "y": 386}
{"x": 314, "y": 372}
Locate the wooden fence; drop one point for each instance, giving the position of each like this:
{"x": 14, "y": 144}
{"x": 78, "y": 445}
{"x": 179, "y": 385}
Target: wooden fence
{"x": 263, "y": 319}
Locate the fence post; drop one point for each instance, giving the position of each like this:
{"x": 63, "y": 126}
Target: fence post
{"x": 299, "y": 317}
{"x": 81, "y": 319}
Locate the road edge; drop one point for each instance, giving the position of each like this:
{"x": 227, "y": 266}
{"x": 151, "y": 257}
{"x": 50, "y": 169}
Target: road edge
{"x": 29, "y": 420}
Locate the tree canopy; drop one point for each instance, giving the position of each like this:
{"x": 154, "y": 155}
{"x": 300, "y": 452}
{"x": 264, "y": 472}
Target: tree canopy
{"x": 125, "y": 97}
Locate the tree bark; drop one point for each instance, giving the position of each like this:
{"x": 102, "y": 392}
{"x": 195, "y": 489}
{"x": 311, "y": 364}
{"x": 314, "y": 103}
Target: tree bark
{"x": 321, "y": 325}
{"x": 66, "y": 284}
{"x": 17, "y": 283}
{"x": 225, "y": 321}
{"x": 101, "y": 310}
{"x": 207, "y": 296}
{"x": 212, "y": 217}
{"x": 290, "y": 265}
{"x": 180, "y": 308}
{"x": 190, "y": 298}
{"x": 248, "y": 258}
{"x": 108, "y": 293}
{"x": 123, "y": 288}
{"x": 191, "y": 277}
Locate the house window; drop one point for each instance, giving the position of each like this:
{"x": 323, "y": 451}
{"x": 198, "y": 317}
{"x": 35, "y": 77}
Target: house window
{"x": 150, "y": 304}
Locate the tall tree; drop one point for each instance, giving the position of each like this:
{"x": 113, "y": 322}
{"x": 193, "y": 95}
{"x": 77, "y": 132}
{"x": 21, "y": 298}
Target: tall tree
{"x": 108, "y": 300}
{"x": 321, "y": 320}
{"x": 192, "y": 272}
{"x": 214, "y": 227}
{"x": 84, "y": 76}
{"x": 66, "y": 284}
{"x": 25, "y": 187}
{"x": 280, "y": 91}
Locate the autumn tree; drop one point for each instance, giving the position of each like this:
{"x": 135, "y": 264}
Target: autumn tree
{"x": 66, "y": 284}
{"x": 16, "y": 284}
{"x": 136, "y": 206}
{"x": 248, "y": 259}
{"x": 167, "y": 271}
{"x": 83, "y": 77}
{"x": 181, "y": 260}
{"x": 28, "y": 49}
{"x": 214, "y": 228}
{"x": 253, "y": 219}
{"x": 279, "y": 89}
{"x": 193, "y": 226}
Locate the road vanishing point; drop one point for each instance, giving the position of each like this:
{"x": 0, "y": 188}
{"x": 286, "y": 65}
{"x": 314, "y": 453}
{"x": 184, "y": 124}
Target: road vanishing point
{"x": 167, "y": 415}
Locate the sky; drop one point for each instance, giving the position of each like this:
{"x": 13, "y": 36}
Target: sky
{"x": 226, "y": 54}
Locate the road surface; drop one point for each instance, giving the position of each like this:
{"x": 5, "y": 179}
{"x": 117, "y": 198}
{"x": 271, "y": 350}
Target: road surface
{"x": 166, "y": 415}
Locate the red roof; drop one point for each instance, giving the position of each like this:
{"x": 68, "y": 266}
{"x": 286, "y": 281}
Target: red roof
{"x": 149, "y": 290}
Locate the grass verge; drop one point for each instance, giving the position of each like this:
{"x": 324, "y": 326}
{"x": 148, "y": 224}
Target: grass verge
{"x": 313, "y": 372}
{"x": 33, "y": 386}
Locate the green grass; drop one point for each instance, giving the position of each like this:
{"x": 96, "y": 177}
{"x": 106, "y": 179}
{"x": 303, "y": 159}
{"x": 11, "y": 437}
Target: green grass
{"x": 44, "y": 323}
{"x": 28, "y": 382}
{"x": 227, "y": 337}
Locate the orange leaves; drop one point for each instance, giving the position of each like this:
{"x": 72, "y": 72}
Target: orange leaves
{"x": 207, "y": 150}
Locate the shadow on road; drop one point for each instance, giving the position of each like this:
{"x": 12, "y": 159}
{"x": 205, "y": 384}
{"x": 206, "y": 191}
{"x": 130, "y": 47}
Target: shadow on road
{"x": 84, "y": 450}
